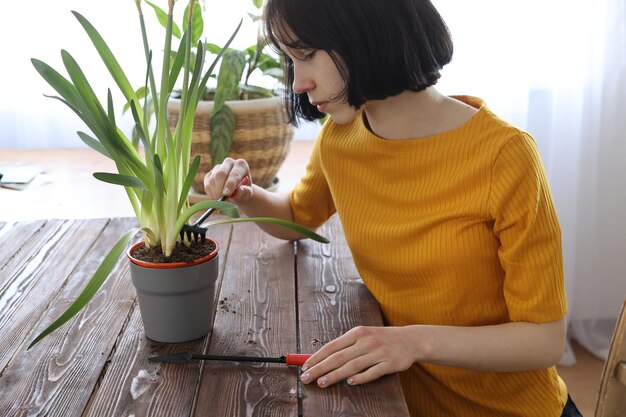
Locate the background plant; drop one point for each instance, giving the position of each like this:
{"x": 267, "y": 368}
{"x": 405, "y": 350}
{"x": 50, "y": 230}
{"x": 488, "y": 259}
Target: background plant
{"x": 158, "y": 181}
{"x": 233, "y": 80}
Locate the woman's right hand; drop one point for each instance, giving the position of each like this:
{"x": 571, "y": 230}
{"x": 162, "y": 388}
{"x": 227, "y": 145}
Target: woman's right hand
{"x": 223, "y": 179}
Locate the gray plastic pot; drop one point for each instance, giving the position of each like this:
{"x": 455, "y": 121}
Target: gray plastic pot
{"x": 176, "y": 300}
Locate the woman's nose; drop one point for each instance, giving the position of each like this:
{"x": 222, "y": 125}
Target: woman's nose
{"x": 301, "y": 82}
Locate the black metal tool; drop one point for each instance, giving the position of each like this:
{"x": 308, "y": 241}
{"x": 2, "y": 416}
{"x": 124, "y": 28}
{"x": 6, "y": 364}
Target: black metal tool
{"x": 196, "y": 231}
{"x": 292, "y": 359}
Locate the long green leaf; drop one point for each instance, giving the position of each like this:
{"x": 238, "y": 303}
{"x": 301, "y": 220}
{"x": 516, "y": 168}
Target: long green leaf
{"x": 108, "y": 58}
{"x": 92, "y": 286}
{"x": 177, "y": 65}
{"x": 222, "y": 130}
{"x": 118, "y": 179}
{"x": 197, "y": 24}
{"x": 208, "y": 73}
{"x": 62, "y": 86}
{"x": 184, "y": 192}
{"x": 93, "y": 143}
{"x": 110, "y": 106}
{"x": 224, "y": 207}
{"x": 229, "y": 76}
{"x": 284, "y": 223}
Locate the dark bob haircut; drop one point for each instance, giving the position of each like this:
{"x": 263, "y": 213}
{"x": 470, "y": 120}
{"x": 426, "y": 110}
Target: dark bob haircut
{"x": 380, "y": 47}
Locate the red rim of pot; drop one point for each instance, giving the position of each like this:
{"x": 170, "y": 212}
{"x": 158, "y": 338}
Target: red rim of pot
{"x": 169, "y": 265}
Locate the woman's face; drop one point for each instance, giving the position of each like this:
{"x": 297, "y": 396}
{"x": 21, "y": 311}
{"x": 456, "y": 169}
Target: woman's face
{"x": 316, "y": 74}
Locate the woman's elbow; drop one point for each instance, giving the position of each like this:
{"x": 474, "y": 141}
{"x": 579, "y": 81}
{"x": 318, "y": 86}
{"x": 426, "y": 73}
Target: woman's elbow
{"x": 554, "y": 341}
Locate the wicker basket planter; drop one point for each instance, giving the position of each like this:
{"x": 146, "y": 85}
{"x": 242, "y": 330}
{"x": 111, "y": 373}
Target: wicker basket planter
{"x": 262, "y": 137}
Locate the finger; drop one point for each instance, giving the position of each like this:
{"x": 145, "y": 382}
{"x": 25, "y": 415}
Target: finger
{"x": 238, "y": 171}
{"x": 370, "y": 374}
{"x": 354, "y": 366}
{"x": 336, "y": 345}
{"x": 214, "y": 180}
{"x": 242, "y": 193}
{"x": 339, "y": 365}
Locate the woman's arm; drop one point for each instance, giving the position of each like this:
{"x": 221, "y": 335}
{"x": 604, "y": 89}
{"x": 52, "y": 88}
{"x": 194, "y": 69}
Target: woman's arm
{"x": 366, "y": 353}
{"x": 252, "y": 200}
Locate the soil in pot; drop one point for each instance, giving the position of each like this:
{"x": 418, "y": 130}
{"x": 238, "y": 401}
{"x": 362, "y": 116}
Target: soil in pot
{"x": 181, "y": 253}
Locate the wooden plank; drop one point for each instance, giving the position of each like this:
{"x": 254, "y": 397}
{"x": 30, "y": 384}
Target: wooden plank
{"x": 134, "y": 386}
{"x": 20, "y": 240}
{"x": 612, "y": 396}
{"x": 332, "y": 299}
{"x": 32, "y": 277}
{"x": 57, "y": 376}
{"x": 256, "y": 317}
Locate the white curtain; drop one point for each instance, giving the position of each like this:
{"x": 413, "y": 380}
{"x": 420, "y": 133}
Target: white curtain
{"x": 556, "y": 68}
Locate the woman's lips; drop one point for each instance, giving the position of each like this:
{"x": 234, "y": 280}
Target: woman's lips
{"x": 321, "y": 107}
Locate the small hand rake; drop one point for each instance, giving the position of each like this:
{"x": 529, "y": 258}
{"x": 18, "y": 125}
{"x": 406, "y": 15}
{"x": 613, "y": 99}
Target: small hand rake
{"x": 196, "y": 231}
{"x": 291, "y": 359}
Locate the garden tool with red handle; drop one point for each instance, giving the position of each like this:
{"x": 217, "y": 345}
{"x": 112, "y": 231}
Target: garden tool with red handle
{"x": 291, "y": 359}
{"x": 196, "y": 231}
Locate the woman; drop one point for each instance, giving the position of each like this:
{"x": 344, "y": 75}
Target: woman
{"x": 445, "y": 207}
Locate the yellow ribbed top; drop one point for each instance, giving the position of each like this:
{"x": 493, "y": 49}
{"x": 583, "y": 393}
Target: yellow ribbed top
{"x": 455, "y": 229}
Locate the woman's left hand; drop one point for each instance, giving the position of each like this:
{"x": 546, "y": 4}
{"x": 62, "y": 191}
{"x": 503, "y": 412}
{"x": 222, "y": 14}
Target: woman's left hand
{"x": 361, "y": 355}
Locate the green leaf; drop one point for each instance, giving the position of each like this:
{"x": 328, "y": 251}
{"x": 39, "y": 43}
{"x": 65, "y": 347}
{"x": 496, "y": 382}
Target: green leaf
{"x": 257, "y": 90}
{"x": 213, "y": 48}
{"x": 197, "y": 23}
{"x": 162, "y": 18}
{"x": 177, "y": 63}
{"x": 209, "y": 72}
{"x": 284, "y": 223}
{"x": 93, "y": 143}
{"x": 276, "y": 73}
{"x": 107, "y": 57}
{"x": 119, "y": 179}
{"x": 110, "y": 106}
{"x": 61, "y": 85}
{"x": 229, "y": 76}
{"x": 80, "y": 81}
{"x": 257, "y": 3}
{"x": 224, "y": 207}
{"x": 141, "y": 92}
{"x": 222, "y": 130}
{"x": 193, "y": 170}
{"x": 92, "y": 286}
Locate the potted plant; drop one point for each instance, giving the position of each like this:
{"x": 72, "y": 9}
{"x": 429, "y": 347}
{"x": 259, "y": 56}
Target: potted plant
{"x": 156, "y": 175}
{"x": 239, "y": 119}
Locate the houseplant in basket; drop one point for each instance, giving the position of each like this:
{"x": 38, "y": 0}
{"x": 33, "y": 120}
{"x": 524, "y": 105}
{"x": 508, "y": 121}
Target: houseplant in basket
{"x": 238, "y": 119}
{"x": 157, "y": 176}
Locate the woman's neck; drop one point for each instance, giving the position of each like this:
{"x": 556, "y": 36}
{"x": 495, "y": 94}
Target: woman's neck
{"x": 411, "y": 115}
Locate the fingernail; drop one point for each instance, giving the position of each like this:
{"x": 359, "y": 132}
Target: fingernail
{"x": 226, "y": 191}
{"x": 305, "y": 377}
{"x": 350, "y": 381}
{"x": 305, "y": 367}
{"x": 322, "y": 381}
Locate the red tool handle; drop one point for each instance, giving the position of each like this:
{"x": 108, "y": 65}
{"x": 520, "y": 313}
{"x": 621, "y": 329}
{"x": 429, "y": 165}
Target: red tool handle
{"x": 297, "y": 359}
{"x": 244, "y": 181}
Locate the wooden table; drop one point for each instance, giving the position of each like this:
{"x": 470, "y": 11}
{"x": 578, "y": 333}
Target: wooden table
{"x": 275, "y": 297}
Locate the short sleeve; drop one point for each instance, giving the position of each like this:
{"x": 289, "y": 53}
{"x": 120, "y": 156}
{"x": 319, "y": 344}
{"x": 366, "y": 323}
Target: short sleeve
{"x": 526, "y": 224}
{"x": 311, "y": 200}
